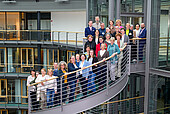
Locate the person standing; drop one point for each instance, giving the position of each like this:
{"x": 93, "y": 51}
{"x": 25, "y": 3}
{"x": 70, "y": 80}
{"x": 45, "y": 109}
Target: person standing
{"x": 30, "y": 80}
{"x": 96, "y": 38}
{"x": 119, "y": 24}
{"x": 72, "y": 78}
{"x": 111, "y": 26}
{"x": 97, "y": 23}
{"x": 102, "y": 77}
{"x": 55, "y": 73}
{"x": 98, "y": 46}
{"x": 84, "y": 73}
{"x": 113, "y": 50}
{"x": 120, "y": 56}
{"x": 129, "y": 32}
{"x": 90, "y": 43}
{"x": 102, "y": 30}
{"x": 41, "y": 87}
{"x": 62, "y": 71}
{"x": 142, "y": 42}
{"x": 51, "y": 88}
{"x": 90, "y": 30}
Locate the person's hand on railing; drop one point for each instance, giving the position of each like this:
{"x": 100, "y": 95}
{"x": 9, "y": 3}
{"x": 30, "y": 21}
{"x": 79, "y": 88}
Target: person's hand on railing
{"x": 83, "y": 68}
{"x": 42, "y": 83}
{"x": 121, "y": 49}
{"x": 86, "y": 78}
{"x": 55, "y": 92}
{"x": 113, "y": 54}
{"x": 125, "y": 43}
{"x": 104, "y": 59}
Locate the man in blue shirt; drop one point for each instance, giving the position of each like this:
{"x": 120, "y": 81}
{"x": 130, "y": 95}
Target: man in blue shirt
{"x": 102, "y": 30}
{"x": 90, "y": 30}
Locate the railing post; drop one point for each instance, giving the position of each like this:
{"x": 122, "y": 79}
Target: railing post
{"x": 29, "y": 101}
{"x": 137, "y": 51}
{"x": 107, "y": 86}
{"x": 76, "y": 39}
{"x": 129, "y": 52}
{"x": 52, "y": 37}
{"x": 61, "y": 89}
{"x": 67, "y": 38}
{"x": 58, "y": 37}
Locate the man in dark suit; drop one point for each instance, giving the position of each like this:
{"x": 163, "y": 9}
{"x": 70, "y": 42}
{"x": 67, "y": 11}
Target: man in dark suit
{"x": 90, "y": 30}
{"x": 142, "y": 42}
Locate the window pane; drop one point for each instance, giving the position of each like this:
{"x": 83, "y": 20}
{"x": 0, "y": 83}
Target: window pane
{"x": 24, "y": 88}
{"x": 13, "y": 24}
{"x": 2, "y": 24}
{"x": 24, "y": 59}
{"x": 56, "y": 55}
{"x": 51, "y": 57}
{"x": 2, "y": 60}
{"x": 4, "y": 112}
{"x": 30, "y": 56}
{"x": 3, "y": 87}
{"x": 14, "y": 90}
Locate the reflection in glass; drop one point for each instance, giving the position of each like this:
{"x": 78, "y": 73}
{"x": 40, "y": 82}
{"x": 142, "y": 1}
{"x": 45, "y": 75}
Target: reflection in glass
{"x": 24, "y": 54}
{"x": 14, "y": 90}
{"x": 3, "y": 87}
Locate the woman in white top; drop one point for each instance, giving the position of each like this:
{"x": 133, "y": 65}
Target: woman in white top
{"x": 102, "y": 54}
{"x": 41, "y": 87}
{"x": 30, "y": 80}
{"x": 51, "y": 87}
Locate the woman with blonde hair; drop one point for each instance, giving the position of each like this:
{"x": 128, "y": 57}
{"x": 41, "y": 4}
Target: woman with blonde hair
{"x": 119, "y": 23}
{"x": 101, "y": 78}
{"x": 62, "y": 71}
{"x": 41, "y": 88}
{"x": 51, "y": 88}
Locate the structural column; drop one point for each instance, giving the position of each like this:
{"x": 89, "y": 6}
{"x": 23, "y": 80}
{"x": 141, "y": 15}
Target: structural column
{"x": 118, "y": 4}
{"x": 39, "y": 39}
{"x": 111, "y": 9}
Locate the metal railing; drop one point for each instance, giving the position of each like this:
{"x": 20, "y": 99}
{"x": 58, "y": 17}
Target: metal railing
{"x": 124, "y": 106}
{"x": 86, "y": 84}
{"x": 64, "y": 37}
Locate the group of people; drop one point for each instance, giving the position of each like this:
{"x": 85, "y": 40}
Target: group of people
{"x": 53, "y": 85}
{"x": 95, "y": 32}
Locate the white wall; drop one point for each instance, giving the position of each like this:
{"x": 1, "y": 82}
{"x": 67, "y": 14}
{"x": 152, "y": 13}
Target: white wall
{"x": 68, "y": 21}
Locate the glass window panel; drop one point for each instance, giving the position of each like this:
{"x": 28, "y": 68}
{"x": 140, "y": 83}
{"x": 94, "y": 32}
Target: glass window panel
{"x": 3, "y": 87}
{"x": 51, "y": 57}
{"x": 4, "y": 112}
{"x": 56, "y": 55}
{"x": 2, "y": 56}
{"x": 24, "y": 88}
{"x": 24, "y": 57}
{"x": 2, "y": 24}
{"x": 14, "y": 91}
{"x": 13, "y": 23}
{"x": 30, "y": 56}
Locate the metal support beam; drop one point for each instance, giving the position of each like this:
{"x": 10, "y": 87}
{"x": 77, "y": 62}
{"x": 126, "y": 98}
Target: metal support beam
{"x": 87, "y": 11}
{"x": 147, "y": 64}
{"x": 111, "y": 9}
{"x": 118, "y": 9}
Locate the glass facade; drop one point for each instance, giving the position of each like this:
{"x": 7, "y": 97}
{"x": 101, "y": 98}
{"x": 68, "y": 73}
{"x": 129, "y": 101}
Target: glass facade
{"x": 13, "y": 91}
{"x": 159, "y": 99}
{"x": 160, "y": 34}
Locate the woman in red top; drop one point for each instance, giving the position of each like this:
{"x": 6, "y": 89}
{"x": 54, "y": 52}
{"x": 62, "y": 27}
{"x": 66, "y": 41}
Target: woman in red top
{"x": 99, "y": 45}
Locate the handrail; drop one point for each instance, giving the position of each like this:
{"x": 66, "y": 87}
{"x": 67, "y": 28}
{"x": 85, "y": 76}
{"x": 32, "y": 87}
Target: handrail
{"x": 123, "y": 100}
{"x": 138, "y": 39}
{"x": 37, "y": 31}
{"x": 77, "y": 70}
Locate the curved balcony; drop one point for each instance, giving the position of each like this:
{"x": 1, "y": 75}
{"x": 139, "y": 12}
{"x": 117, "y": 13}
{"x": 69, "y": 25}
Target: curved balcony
{"x": 98, "y": 91}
